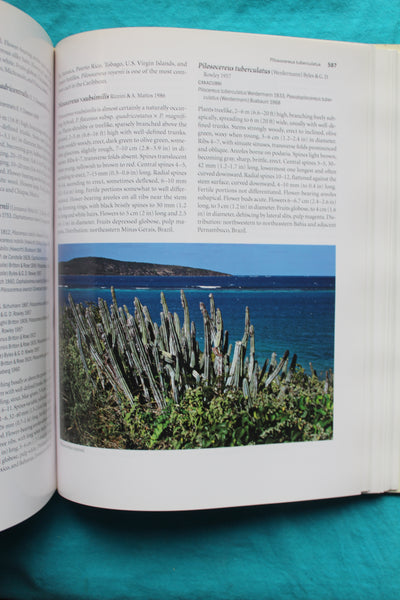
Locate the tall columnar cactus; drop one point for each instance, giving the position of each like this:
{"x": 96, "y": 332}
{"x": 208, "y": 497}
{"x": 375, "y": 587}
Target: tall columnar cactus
{"x": 148, "y": 362}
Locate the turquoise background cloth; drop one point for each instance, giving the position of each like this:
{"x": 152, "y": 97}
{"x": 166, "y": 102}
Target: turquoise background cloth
{"x": 341, "y": 549}
{"x": 370, "y": 21}
{"x": 322, "y": 550}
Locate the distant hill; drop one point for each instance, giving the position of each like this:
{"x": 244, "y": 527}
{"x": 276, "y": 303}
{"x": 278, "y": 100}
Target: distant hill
{"x": 91, "y": 265}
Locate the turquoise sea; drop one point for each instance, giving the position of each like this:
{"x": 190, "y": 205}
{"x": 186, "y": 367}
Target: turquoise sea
{"x": 288, "y": 313}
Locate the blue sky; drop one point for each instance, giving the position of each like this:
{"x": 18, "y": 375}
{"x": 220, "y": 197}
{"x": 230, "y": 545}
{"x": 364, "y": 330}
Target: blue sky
{"x": 236, "y": 259}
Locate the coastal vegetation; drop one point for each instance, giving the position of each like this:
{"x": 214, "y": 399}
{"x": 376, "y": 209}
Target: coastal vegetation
{"x": 130, "y": 382}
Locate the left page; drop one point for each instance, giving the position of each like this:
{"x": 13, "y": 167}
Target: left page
{"x": 27, "y": 453}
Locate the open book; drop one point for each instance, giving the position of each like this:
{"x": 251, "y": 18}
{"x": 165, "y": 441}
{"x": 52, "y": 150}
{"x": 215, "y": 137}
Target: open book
{"x": 199, "y": 285}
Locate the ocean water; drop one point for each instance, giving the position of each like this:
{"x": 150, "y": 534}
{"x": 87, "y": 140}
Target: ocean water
{"x": 288, "y": 313}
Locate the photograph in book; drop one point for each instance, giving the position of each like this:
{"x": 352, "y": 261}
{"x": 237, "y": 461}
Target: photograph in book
{"x": 173, "y": 346}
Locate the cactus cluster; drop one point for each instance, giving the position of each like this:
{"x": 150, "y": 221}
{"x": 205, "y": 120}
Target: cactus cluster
{"x": 149, "y": 362}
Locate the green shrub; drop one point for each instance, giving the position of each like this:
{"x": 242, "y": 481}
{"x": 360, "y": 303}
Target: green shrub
{"x": 201, "y": 422}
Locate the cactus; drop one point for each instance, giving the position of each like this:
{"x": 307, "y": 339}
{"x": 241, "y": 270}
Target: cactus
{"x": 145, "y": 362}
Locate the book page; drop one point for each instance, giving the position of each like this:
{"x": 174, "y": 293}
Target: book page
{"x": 27, "y": 452}
{"x": 234, "y": 168}
{"x": 393, "y": 253}
{"x": 396, "y": 277}
{"x": 382, "y": 321}
{"x": 395, "y": 285}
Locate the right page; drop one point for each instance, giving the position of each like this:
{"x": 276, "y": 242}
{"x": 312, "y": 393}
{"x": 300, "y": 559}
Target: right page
{"x": 213, "y": 198}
